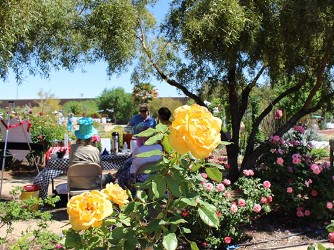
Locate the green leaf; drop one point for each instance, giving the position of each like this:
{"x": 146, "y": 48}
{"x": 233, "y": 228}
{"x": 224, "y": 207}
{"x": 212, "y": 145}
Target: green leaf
{"x": 176, "y": 220}
{"x": 208, "y": 216}
{"x": 159, "y": 187}
{"x": 141, "y": 195}
{"x": 173, "y": 184}
{"x": 152, "y": 226}
{"x": 190, "y": 202}
{"x": 196, "y": 166}
{"x": 161, "y": 128}
{"x": 321, "y": 247}
{"x": 73, "y": 239}
{"x": 147, "y": 133}
{"x": 186, "y": 230}
{"x": 193, "y": 245}
{"x": 131, "y": 241}
{"x": 214, "y": 174}
{"x": 118, "y": 233}
{"x": 154, "y": 139}
{"x": 165, "y": 144}
{"x": 149, "y": 153}
{"x": 169, "y": 241}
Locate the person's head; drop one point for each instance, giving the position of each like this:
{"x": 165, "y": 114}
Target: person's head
{"x": 86, "y": 130}
{"x": 144, "y": 109}
{"x": 164, "y": 116}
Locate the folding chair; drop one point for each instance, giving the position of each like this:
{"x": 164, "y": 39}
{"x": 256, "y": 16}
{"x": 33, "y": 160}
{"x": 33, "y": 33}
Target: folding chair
{"x": 82, "y": 177}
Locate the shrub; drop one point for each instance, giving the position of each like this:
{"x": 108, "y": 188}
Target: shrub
{"x": 184, "y": 201}
{"x": 300, "y": 186}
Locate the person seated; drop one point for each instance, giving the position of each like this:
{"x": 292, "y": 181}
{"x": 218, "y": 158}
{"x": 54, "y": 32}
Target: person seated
{"x": 83, "y": 150}
{"x": 133, "y": 168}
{"x": 164, "y": 116}
{"x": 142, "y": 121}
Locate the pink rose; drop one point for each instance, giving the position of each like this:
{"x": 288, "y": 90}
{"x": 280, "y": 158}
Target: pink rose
{"x": 248, "y": 172}
{"x": 278, "y": 114}
{"x": 227, "y": 195}
{"x": 209, "y": 186}
{"x": 300, "y": 214}
{"x": 275, "y": 139}
{"x": 226, "y": 182}
{"x": 227, "y": 240}
{"x": 220, "y": 187}
{"x": 266, "y": 184}
{"x": 329, "y": 205}
{"x": 241, "y": 202}
{"x": 316, "y": 169}
{"x": 204, "y": 175}
{"x": 296, "y": 161}
{"x": 289, "y": 190}
{"x": 257, "y": 208}
{"x": 307, "y": 212}
{"x": 296, "y": 156}
{"x": 263, "y": 200}
{"x": 234, "y": 208}
{"x": 314, "y": 193}
{"x": 279, "y": 161}
{"x": 331, "y": 237}
{"x": 59, "y": 246}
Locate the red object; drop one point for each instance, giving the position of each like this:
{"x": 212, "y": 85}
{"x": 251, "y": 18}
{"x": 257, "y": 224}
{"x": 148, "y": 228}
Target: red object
{"x": 54, "y": 150}
{"x": 31, "y": 188}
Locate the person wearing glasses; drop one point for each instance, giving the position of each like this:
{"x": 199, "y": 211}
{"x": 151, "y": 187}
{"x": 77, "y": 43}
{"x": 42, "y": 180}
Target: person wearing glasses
{"x": 143, "y": 120}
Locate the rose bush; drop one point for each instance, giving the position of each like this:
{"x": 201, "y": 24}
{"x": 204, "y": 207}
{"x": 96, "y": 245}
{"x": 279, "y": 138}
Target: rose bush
{"x": 301, "y": 184}
{"x": 184, "y": 201}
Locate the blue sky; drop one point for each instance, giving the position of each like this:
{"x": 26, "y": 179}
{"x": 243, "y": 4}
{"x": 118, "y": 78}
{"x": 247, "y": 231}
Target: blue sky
{"x": 88, "y": 84}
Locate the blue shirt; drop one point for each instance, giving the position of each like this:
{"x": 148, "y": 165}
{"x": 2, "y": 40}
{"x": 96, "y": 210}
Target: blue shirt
{"x": 139, "y": 124}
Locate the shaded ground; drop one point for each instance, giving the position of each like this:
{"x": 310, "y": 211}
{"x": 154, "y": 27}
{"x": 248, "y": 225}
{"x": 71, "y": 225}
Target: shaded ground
{"x": 278, "y": 231}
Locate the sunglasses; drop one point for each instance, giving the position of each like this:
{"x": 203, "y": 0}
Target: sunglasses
{"x": 142, "y": 111}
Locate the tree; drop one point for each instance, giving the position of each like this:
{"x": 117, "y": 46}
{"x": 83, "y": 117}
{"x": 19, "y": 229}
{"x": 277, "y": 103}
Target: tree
{"x": 87, "y": 108}
{"x": 231, "y": 47}
{"x": 144, "y": 93}
{"x": 37, "y": 35}
{"x": 47, "y": 102}
{"x": 117, "y": 104}
{"x": 234, "y": 47}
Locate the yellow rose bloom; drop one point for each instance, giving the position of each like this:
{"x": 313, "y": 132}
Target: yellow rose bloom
{"x": 88, "y": 209}
{"x": 194, "y": 130}
{"x": 116, "y": 194}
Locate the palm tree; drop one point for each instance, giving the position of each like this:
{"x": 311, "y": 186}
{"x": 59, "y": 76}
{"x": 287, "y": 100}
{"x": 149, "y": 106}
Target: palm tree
{"x": 144, "y": 93}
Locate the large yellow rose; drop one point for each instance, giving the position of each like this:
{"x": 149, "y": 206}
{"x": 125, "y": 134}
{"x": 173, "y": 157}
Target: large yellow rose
{"x": 194, "y": 130}
{"x": 116, "y": 194}
{"x": 88, "y": 209}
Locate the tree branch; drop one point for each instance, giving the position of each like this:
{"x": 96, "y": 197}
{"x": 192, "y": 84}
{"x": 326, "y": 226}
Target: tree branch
{"x": 171, "y": 82}
{"x": 247, "y": 90}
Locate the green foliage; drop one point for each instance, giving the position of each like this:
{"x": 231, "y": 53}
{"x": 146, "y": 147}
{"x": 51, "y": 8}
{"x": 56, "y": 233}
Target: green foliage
{"x": 63, "y": 34}
{"x": 177, "y": 205}
{"x": 44, "y": 129}
{"x": 299, "y": 184}
{"x": 78, "y": 108}
{"x": 117, "y": 105}
{"x": 169, "y": 103}
{"x": 23, "y": 210}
